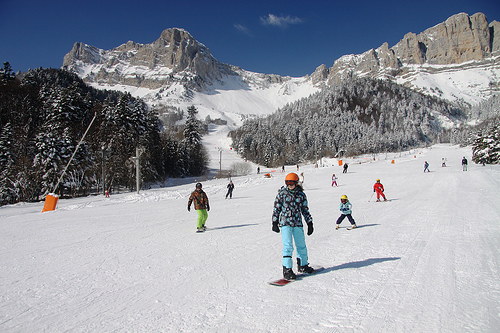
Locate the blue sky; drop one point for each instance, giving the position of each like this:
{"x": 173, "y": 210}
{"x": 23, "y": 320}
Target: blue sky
{"x": 279, "y": 37}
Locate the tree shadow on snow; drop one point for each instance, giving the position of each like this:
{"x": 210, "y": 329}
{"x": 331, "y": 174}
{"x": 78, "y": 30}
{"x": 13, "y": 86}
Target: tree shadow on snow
{"x": 358, "y": 264}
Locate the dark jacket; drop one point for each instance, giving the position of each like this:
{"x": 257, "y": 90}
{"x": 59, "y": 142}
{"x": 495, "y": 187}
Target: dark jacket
{"x": 289, "y": 206}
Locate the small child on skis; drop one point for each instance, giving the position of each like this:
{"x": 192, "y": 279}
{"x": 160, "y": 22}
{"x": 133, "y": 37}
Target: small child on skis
{"x": 334, "y": 180}
{"x": 379, "y": 189}
{"x": 346, "y": 210}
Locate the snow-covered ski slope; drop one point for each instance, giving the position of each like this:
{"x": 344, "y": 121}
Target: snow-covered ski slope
{"x": 427, "y": 261}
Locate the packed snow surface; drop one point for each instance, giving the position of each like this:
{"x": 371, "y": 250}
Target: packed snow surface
{"x": 425, "y": 261}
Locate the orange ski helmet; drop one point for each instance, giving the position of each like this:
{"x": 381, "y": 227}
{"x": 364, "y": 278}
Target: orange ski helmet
{"x": 292, "y": 177}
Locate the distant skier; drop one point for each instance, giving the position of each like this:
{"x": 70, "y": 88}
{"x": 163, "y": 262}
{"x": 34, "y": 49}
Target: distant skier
{"x": 289, "y": 207}
{"x": 230, "y": 188}
{"x": 334, "y": 180}
{"x": 345, "y": 168}
{"x": 301, "y": 180}
{"x": 346, "y": 210}
{"x": 464, "y": 164}
{"x": 444, "y": 162}
{"x": 258, "y": 170}
{"x": 379, "y": 189}
{"x": 201, "y": 205}
{"x": 426, "y": 167}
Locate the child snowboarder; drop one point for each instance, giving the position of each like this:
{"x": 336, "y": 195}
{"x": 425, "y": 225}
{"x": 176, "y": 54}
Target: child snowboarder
{"x": 346, "y": 210}
{"x": 379, "y": 189}
{"x": 289, "y": 206}
{"x": 201, "y": 205}
{"x": 334, "y": 180}
{"x": 230, "y": 188}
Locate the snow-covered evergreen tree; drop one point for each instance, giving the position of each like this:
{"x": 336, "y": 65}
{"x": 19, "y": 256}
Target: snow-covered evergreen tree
{"x": 193, "y": 145}
{"x": 486, "y": 146}
{"x": 361, "y": 116}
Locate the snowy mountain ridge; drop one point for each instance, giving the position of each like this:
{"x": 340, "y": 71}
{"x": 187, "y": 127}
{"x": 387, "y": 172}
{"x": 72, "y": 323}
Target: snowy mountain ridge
{"x": 457, "y": 60}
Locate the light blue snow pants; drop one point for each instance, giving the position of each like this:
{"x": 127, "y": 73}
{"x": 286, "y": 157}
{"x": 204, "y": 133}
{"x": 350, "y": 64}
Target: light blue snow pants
{"x": 289, "y": 235}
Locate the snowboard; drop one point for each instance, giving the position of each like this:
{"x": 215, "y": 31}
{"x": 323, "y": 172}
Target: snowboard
{"x": 300, "y": 276}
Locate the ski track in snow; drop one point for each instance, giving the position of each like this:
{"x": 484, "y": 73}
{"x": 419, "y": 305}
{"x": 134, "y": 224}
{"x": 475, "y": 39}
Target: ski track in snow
{"x": 425, "y": 261}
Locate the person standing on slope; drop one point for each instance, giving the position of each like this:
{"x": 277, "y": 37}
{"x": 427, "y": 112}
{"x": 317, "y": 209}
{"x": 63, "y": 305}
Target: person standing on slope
{"x": 230, "y": 188}
{"x": 201, "y": 205}
{"x": 379, "y": 189}
{"x": 464, "y": 164}
{"x": 334, "y": 180}
{"x": 289, "y": 207}
{"x": 346, "y": 210}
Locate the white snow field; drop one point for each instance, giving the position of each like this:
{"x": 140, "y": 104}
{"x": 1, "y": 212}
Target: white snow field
{"x": 425, "y": 261}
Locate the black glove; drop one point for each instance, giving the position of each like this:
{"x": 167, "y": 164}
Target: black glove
{"x": 189, "y": 208}
{"x": 310, "y": 229}
{"x": 208, "y": 208}
{"x": 276, "y": 228}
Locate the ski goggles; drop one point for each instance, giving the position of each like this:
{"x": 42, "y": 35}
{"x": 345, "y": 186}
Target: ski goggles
{"x": 290, "y": 182}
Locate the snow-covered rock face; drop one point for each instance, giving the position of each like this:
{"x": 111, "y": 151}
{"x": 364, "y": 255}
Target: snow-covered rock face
{"x": 458, "y": 60}
{"x": 431, "y": 61}
{"x": 174, "y": 57}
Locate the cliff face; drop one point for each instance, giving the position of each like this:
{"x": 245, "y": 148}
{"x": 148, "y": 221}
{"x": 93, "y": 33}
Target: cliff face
{"x": 178, "y": 64}
{"x": 175, "y": 56}
{"x": 459, "y": 39}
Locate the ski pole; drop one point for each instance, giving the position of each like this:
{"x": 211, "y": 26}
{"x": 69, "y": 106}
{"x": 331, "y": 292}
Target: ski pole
{"x": 371, "y": 197}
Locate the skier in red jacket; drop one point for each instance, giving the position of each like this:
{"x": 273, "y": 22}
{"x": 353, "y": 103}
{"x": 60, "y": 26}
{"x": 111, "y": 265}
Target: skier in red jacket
{"x": 379, "y": 188}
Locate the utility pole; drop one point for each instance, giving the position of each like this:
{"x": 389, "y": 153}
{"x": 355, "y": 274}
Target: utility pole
{"x": 103, "y": 172}
{"x": 220, "y": 162}
{"x": 138, "y": 152}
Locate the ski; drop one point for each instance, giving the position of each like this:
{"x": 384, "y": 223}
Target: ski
{"x": 350, "y": 228}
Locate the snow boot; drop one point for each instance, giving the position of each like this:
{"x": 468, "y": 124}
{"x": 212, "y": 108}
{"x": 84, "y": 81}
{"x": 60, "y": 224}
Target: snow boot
{"x": 304, "y": 269}
{"x": 288, "y": 274}
{"x": 354, "y": 226}
{"x": 337, "y": 227}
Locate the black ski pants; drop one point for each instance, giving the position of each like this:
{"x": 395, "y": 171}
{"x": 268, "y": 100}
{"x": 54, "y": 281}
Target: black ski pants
{"x": 343, "y": 216}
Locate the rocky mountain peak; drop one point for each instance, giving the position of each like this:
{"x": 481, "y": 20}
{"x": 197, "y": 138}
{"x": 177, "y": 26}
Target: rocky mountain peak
{"x": 455, "y": 42}
{"x": 175, "y": 55}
